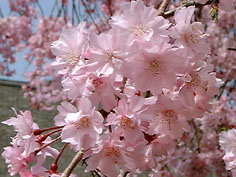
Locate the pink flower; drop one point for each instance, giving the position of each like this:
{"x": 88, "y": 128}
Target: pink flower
{"x": 108, "y": 51}
{"x": 101, "y": 89}
{"x": 75, "y": 86}
{"x": 70, "y": 48}
{"x": 169, "y": 118}
{"x": 109, "y": 157}
{"x": 83, "y": 128}
{"x": 127, "y": 119}
{"x": 14, "y": 157}
{"x": 153, "y": 68}
{"x": 189, "y": 35}
{"x": 24, "y": 126}
{"x": 64, "y": 109}
{"x": 198, "y": 88}
{"x": 140, "y": 22}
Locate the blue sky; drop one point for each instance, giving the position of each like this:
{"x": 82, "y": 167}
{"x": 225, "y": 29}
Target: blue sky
{"x": 21, "y": 65}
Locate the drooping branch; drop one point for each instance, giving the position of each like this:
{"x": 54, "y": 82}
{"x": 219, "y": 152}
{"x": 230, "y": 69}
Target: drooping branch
{"x": 163, "y": 7}
{"x": 191, "y": 3}
{"x": 67, "y": 172}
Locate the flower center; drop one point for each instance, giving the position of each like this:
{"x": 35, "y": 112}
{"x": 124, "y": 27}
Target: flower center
{"x": 191, "y": 38}
{"x": 140, "y": 30}
{"x": 109, "y": 56}
{"x": 71, "y": 59}
{"x": 97, "y": 82}
{"x": 82, "y": 123}
{"x": 169, "y": 116}
{"x": 126, "y": 122}
{"x": 112, "y": 153}
{"x": 155, "y": 67}
{"x": 196, "y": 81}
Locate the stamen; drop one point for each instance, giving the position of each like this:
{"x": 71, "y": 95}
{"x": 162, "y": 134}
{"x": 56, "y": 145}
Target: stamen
{"x": 195, "y": 82}
{"x": 155, "y": 67}
{"x": 109, "y": 56}
{"x": 82, "y": 123}
{"x": 169, "y": 116}
{"x": 71, "y": 59}
{"x": 112, "y": 153}
{"x": 97, "y": 82}
{"x": 126, "y": 122}
{"x": 140, "y": 30}
{"x": 191, "y": 38}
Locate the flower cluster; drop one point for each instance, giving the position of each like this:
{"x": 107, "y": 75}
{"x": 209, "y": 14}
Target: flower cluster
{"x": 131, "y": 93}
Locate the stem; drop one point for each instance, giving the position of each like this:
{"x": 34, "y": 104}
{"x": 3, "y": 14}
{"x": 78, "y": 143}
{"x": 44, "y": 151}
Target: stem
{"x": 39, "y": 131}
{"x": 67, "y": 172}
{"x": 163, "y": 7}
{"x": 41, "y": 138}
{"x": 45, "y": 145}
{"x": 54, "y": 166}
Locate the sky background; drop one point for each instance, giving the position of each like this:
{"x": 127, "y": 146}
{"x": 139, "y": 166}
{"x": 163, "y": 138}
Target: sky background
{"x": 21, "y": 65}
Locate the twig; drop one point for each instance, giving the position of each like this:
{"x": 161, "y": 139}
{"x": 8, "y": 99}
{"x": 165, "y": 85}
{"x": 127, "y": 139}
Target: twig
{"x": 40, "y": 8}
{"x": 59, "y": 155}
{"x": 233, "y": 49}
{"x": 48, "y": 144}
{"x": 191, "y": 3}
{"x": 163, "y": 7}
{"x": 222, "y": 88}
{"x": 1, "y": 14}
{"x": 90, "y": 15}
{"x": 53, "y": 8}
{"x": 74, "y": 10}
{"x": 125, "y": 174}
{"x": 67, "y": 172}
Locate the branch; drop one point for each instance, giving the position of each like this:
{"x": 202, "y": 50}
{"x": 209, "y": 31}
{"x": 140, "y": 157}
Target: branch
{"x": 192, "y": 3}
{"x": 163, "y": 7}
{"x": 222, "y": 88}
{"x": 1, "y": 14}
{"x": 67, "y": 172}
{"x": 233, "y": 49}
{"x": 125, "y": 174}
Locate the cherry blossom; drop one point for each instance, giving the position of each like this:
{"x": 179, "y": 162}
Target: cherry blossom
{"x": 83, "y": 127}
{"x": 136, "y": 91}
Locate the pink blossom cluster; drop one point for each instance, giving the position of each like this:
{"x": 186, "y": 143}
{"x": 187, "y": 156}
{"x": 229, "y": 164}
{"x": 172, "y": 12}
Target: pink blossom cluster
{"x": 131, "y": 95}
{"x": 13, "y": 30}
{"x": 41, "y": 91}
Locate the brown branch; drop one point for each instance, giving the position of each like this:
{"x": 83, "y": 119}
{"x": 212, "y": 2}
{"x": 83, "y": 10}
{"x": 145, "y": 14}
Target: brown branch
{"x": 90, "y": 15}
{"x": 222, "y": 88}
{"x": 67, "y": 172}
{"x": 125, "y": 174}
{"x": 163, "y": 7}
{"x": 233, "y": 49}
{"x": 191, "y": 3}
